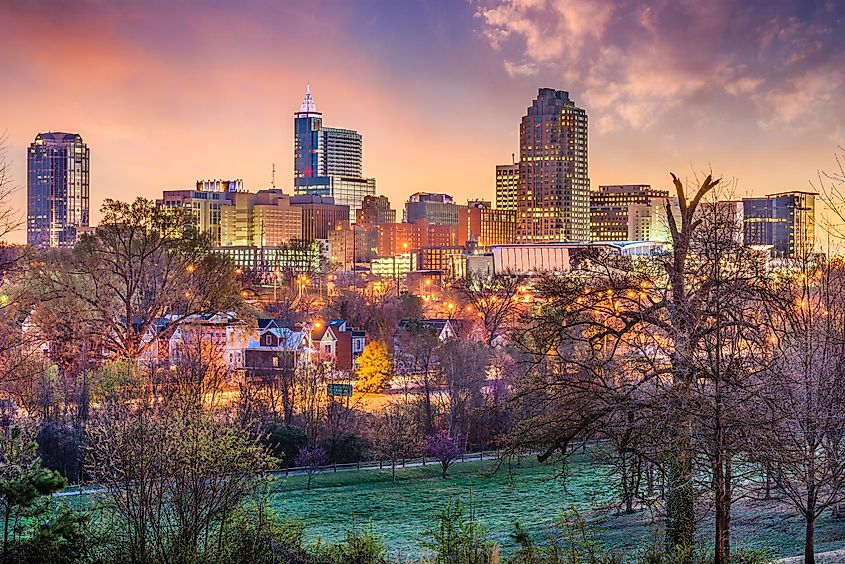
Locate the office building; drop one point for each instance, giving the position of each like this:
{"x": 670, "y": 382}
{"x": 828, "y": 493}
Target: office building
{"x": 628, "y": 212}
{"x": 328, "y": 161}
{"x": 342, "y": 152}
{"x": 507, "y": 185}
{"x": 434, "y": 208}
{"x": 482, "y": 225}
{"x": 271, "y": 218}
{"x": 320, "y": 215}
{"x": 374, "y": 211}
{"x": 204, "y": 203}
{"x": 395, "y": 238}
{"x": 553, "y": 196}
{"x": 57, "y": 189}
{"x": 265, "y": 218}
{"x": 786, "y": 221}
{"x": 308, "y": 142}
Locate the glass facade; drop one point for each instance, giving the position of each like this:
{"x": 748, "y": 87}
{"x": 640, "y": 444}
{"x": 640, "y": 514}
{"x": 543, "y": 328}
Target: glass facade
{"x": 553, "y": 196}
{"x": 57, "y": 189}
{"x": 343, "y": 153}
{"x": 785, "y": 221}
{"x": 328, "y": 161}
{"x": 435, "y": 208}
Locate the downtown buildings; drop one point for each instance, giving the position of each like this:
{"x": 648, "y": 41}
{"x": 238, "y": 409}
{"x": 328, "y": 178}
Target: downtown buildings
{"x": 785, "y": 221}
{"x": 553, "y": 194}
{"x": 328, "y": 161}
{"x": 57, "y": 189}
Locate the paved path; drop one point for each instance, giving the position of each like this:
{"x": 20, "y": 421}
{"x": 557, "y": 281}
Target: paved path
{"x": 830, "y": 557}
{"x": 324, "y": 470}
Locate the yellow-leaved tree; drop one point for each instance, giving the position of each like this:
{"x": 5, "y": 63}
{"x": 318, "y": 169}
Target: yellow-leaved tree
{"x": 375, "y": 367}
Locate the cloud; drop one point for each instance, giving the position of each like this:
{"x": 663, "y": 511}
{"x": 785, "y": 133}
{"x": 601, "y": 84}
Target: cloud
{"x": 520, "y": 69}
{"x": 632, "y": 63}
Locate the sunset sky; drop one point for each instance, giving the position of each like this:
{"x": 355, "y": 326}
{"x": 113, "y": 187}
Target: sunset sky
{"x": 165, "y": 93}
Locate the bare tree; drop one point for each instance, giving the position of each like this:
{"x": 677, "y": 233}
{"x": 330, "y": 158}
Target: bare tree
{"x": 175, "y": 476}
{"x": 803, "y": 446}
{"x": 142, "y": 263}
{"x": 494, "y": 298}
{"x": 394, "y": 435}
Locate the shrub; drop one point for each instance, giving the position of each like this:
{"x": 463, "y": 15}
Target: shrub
{"x": 456, "y": 539}
{"x": 284, "y": 441}
{"x": 345, "y": 449}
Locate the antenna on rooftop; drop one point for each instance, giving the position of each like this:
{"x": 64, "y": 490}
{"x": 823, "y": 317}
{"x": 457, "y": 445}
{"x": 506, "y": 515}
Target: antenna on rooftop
{"x": 273, "y": 176}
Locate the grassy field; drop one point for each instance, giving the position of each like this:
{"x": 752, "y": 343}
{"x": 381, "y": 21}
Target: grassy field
{"x": 534, "y": 494}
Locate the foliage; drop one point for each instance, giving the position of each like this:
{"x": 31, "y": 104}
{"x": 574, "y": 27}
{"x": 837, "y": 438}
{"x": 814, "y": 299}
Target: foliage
{"x": 60, "y": 449}
{"x": 572, "y": 544}
{"x": 311, "y": 458}
{"x": 344, "y": 449}
{"x": 284, "y": 441}
{"x": 359, "y": 546}
{"x": 445, "y": 448}
{"x": 23, "y": 483}
{"x": 143, "y": 262}
{"x": 174, "y": 476}
{"x": 375, "y": 368}
{"x": 457, "y": 539}
{"x": 59, "y": 537}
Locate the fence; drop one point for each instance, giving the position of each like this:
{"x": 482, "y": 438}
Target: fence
{"x": 384, "y": 464}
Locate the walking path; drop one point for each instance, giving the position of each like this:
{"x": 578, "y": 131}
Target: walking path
{"x": 385, "y": 465}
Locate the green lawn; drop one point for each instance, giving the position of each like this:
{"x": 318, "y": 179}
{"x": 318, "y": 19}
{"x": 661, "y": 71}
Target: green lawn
{"x": 534, "y": 494}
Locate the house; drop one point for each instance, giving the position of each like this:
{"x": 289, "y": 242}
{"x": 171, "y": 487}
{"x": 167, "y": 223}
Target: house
{"x": 341, "y": 344}
{"x": 276, "y": 351}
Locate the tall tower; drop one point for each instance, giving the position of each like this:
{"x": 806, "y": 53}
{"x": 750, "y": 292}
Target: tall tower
{"x": 328, "y": 160}
{"x": 308, "y": 141}
{"x": 553, "y": 195}
{"x": 57, "y": 189}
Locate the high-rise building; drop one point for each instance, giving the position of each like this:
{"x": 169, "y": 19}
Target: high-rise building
{"x": 343, "y": 152}
{"x": 507, "y": 186}
{"x": 266, "y": 218}
{"x": 57, "y": 189}
{"x": 628, "y": 212}
{"x": 553, "y": 198}
{"x": 307, "y": 141}
{"x": 204, "y": 204}
{"x": 786, "y": 221}
{"x": 328, "y": 161}
{"x": 374, "y": 210}
{"x": 320, "y": 215}
{"x": 483, "y": 226}
{"x": 434, "y": 208}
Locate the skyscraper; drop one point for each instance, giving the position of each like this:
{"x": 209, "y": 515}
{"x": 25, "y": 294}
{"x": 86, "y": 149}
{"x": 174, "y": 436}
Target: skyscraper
{"x": 307, "y": 141}
{"x": 328, "y": 160}
{"x": 786, "y": 221}
{"x": 342, "y": 152}
{"x": 57, "y": 189}
{"x": 553, "y": 196}
{"x": 507, "y": 186}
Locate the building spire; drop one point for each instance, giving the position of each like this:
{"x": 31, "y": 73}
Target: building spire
{"x": 308, "y": 105}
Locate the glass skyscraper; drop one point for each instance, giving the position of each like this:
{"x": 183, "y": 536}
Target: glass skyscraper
{"x": 328, "y": 160}
{"x": 786, "y": 221}
{"x": 553, "y": 195}
{"x": 57, "y": 189}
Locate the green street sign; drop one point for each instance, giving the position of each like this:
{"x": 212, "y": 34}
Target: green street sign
{"x": 342, "y": 390}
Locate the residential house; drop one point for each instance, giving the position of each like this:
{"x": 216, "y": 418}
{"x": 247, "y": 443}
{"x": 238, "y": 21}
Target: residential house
{"x": 341, "y": 344}
{"x": 277, "y": 350}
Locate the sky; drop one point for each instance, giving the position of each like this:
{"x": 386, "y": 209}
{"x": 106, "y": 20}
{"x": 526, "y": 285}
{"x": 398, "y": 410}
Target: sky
{"x": 168, "y": 92}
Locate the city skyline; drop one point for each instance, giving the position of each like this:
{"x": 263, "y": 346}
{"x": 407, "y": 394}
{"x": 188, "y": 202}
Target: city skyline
{"x": 437, "y": 89}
